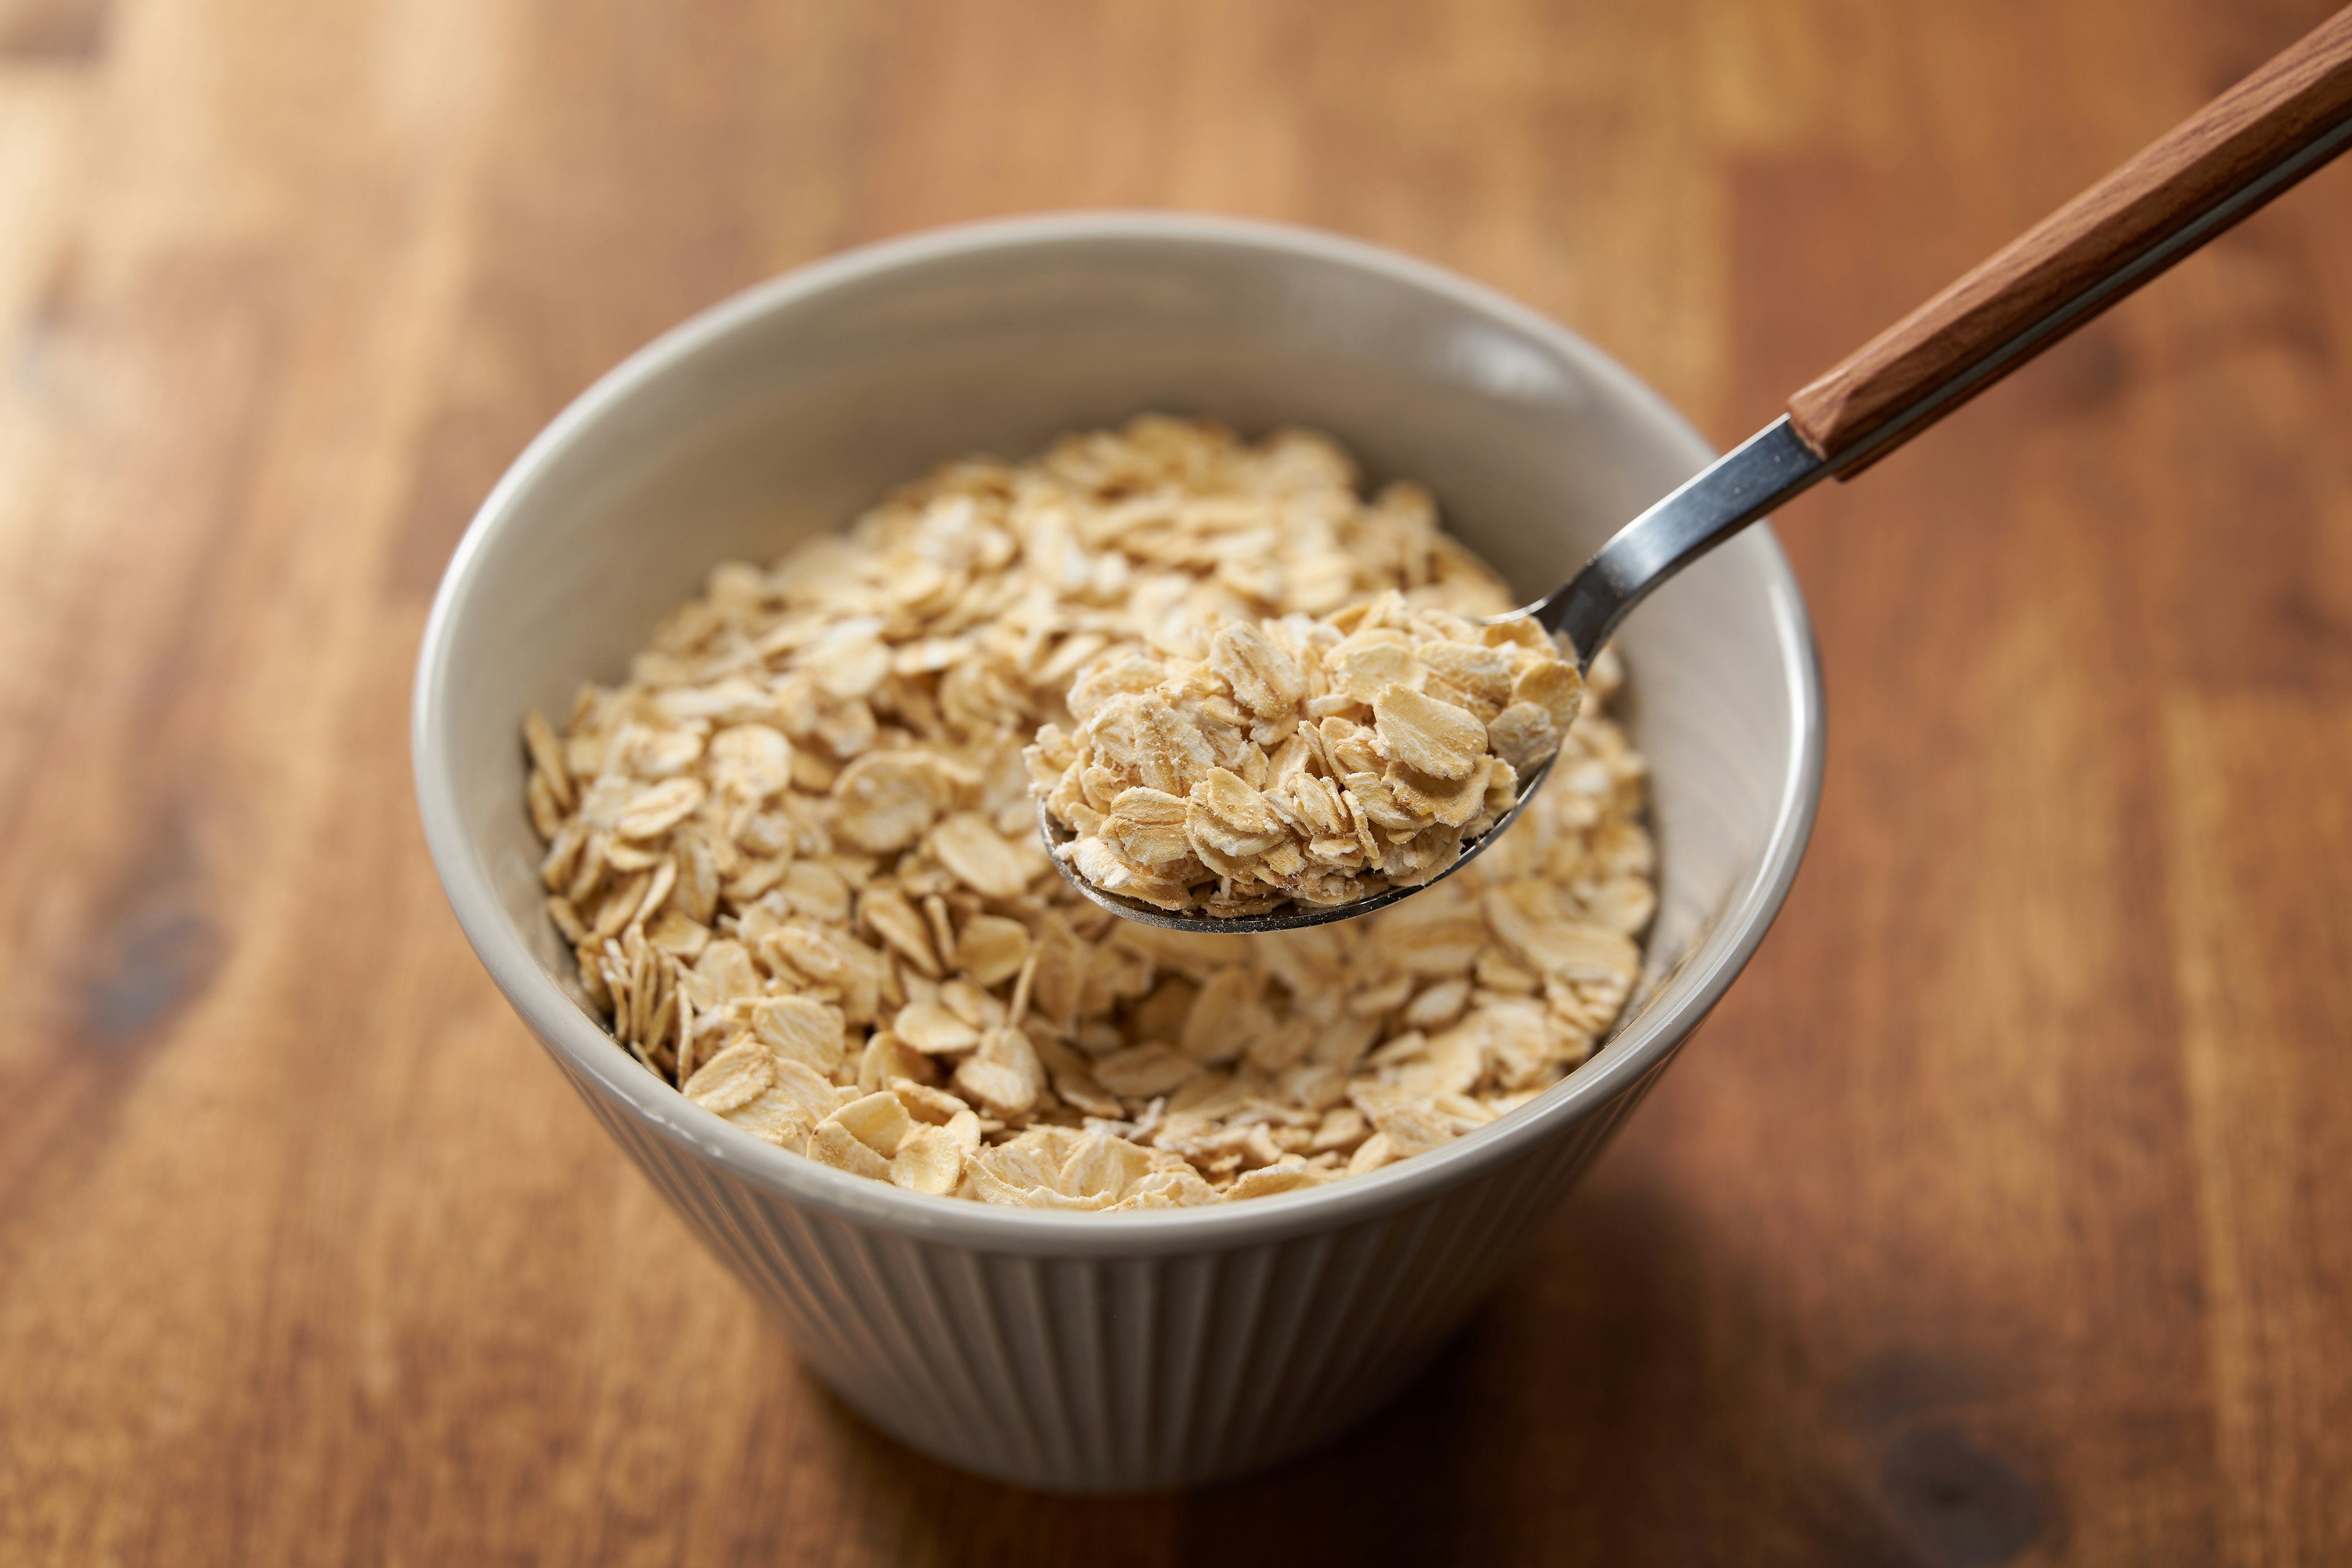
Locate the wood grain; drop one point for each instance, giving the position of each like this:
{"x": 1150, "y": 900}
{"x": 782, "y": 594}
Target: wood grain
{"x": 1996, "y": 1216}
{"x": 2258, "y": 125}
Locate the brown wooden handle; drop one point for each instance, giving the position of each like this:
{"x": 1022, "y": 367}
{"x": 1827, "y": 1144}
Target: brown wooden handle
{"x": 2261, "y": 123}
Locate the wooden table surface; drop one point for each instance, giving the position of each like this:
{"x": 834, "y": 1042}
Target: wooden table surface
{"x": 2002, "y": 1214}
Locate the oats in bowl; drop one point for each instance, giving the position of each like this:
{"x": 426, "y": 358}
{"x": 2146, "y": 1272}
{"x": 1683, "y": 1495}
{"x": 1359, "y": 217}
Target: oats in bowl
{"x": 795, "y": 851}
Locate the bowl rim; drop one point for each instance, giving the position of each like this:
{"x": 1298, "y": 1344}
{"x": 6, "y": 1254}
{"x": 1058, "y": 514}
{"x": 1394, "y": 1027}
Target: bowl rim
{"x": 588, "y": 1051}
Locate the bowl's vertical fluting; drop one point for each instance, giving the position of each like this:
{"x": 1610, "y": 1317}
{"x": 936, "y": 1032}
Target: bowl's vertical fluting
{"x": 1084, "y": 1352}
{"x": 1120, "y": 1374}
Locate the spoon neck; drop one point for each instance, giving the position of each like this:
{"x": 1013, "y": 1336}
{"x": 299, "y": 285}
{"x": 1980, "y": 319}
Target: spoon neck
{"x": 1769, "y": 468}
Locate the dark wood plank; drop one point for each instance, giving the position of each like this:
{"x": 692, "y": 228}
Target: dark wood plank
{"x": 2266, "y": 989}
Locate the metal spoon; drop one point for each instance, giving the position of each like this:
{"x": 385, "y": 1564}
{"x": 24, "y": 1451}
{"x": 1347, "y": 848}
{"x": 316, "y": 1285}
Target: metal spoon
{"x": 2276, "y": 126}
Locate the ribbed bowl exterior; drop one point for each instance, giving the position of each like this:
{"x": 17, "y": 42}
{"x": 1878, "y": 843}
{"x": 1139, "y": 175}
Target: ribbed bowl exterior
{"x": 1110, "y": 1374}
{"x": 1105, "y": 1353}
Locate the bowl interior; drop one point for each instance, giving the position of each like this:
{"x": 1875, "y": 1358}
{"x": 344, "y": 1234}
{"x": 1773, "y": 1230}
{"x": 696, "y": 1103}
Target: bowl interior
{"x": 789, "y": 409}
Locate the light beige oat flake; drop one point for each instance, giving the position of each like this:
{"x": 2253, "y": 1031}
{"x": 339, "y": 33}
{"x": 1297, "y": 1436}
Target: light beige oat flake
{"x": 737, "y": 1076}
{"x": 800, "y": 1029}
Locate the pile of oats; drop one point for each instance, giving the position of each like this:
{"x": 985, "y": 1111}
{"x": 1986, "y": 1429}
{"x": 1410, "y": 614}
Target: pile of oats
{"x": 1312, "y": 759}
{"x": 796, "y": 854}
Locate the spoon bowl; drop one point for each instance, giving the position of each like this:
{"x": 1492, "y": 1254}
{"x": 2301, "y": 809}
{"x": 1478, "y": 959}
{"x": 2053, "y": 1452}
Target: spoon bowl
{"x": 1302, "y": 915}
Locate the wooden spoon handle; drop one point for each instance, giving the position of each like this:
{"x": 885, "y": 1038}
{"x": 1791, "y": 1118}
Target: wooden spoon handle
{"x": 2222, "y": 162}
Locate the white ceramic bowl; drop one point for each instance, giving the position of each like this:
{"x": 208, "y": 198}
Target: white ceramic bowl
{"x": 1131, "y": 1351}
